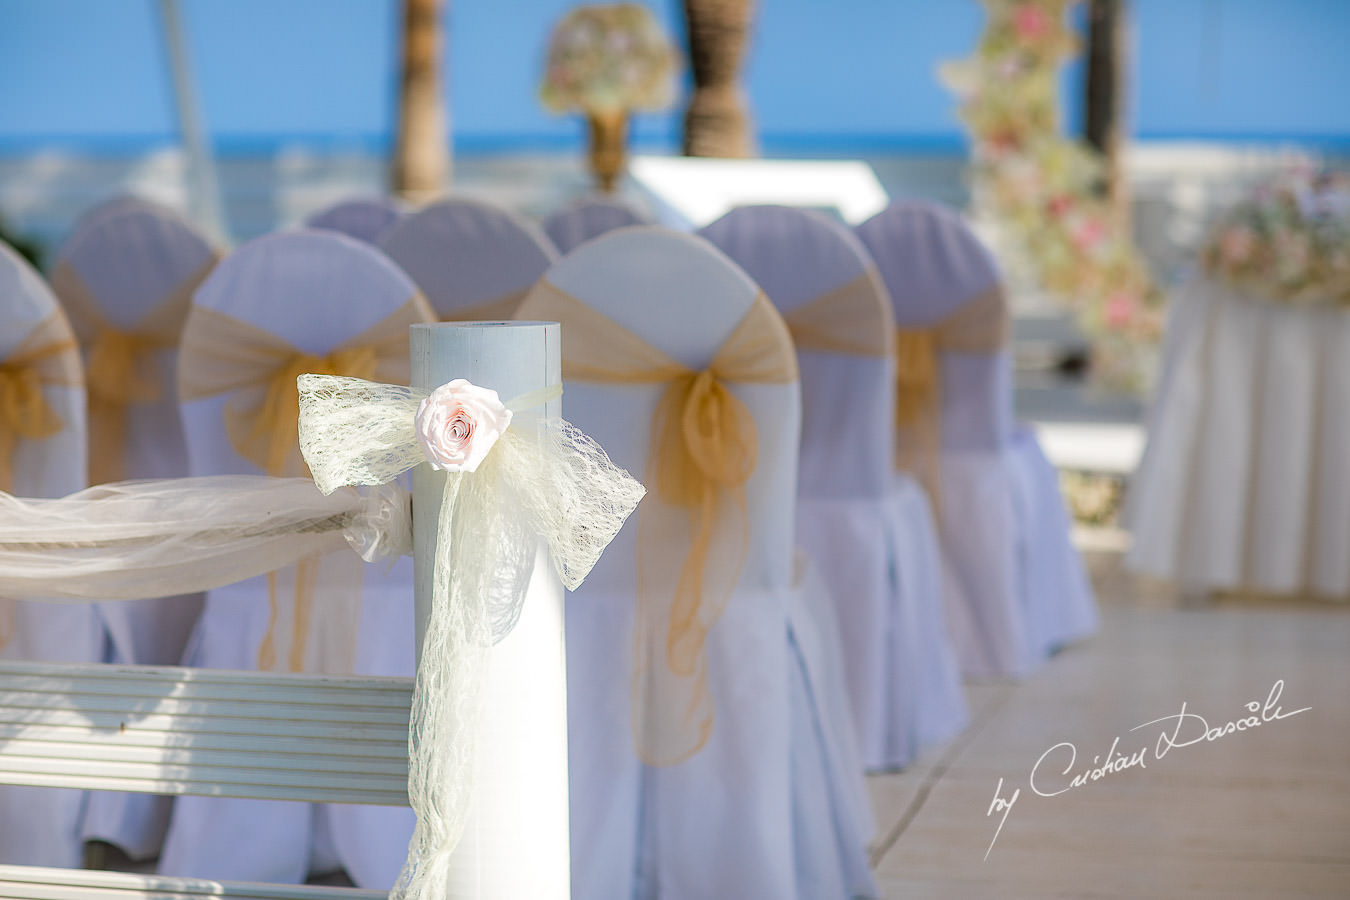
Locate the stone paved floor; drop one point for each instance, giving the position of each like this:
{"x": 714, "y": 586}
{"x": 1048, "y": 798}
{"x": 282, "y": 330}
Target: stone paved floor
{"x": 1261, "y": 813}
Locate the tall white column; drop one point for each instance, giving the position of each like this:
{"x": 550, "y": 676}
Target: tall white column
{"x": 516, "y": 842}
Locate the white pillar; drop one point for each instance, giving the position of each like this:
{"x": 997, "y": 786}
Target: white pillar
{"x": 515, "y": 844}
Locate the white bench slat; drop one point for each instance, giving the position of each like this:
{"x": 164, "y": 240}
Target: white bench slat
{"x": 66, "y": 718}
{"x": 167, "y": 732}
{"x": 313, "y": 738}
{"x": 72, "y": 884}
{"x": 215, "y": 684}
{"x": 284, "y": 757}
{"x": 262, "y": 706}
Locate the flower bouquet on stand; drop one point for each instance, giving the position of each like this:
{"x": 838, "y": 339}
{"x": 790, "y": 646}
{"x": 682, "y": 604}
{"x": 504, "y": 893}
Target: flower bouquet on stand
{"x": 608, "y": 62}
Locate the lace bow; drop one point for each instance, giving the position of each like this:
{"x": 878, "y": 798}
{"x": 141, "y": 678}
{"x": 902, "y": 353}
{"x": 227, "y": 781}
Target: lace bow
{"x": 541, "y": 478}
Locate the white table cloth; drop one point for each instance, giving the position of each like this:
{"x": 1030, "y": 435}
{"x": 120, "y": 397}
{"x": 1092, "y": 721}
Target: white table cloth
{"x": 1245, "y": 481}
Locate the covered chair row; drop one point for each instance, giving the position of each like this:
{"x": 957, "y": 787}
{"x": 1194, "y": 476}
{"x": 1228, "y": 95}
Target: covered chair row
{"x": 43, "y": 453}
{"x": 1015, "y": 587}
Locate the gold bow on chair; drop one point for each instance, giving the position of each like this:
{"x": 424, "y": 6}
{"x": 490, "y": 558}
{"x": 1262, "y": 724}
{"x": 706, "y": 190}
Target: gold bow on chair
{"x": 693, "y": 530}
{"x": 120, "y": 364}
{"x": 224, "y": 355}
{"x": 980, "y": 325}
{"x": 47, "y": 356}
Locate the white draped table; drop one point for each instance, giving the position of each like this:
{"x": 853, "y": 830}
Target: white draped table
{"x": 1245, "y": 482}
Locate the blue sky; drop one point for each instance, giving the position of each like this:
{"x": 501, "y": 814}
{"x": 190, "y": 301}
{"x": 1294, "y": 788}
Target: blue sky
{"x": 823, "y": 75}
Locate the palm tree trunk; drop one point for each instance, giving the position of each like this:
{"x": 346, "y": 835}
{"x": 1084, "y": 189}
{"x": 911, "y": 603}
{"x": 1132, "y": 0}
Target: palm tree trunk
{"x": 421, "y": 167}
{"x": 717, "y": 123}
{"x": 1104, "y": 97}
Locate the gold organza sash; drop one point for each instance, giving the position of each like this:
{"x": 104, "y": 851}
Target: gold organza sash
{"x": 853, "y": 318}
{"x": 978, "y": 326}
{"x": 47, "y": 356}
{"x": 120, "y": 364}
{"x": 500, "y": 309}
{"x": 223, "y": 355}
{"x": 693, "y": 530}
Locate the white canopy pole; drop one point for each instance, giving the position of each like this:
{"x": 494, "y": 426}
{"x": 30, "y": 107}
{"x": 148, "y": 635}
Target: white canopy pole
{"x": 515, "y": 844}
{"x": 203, "y": 185}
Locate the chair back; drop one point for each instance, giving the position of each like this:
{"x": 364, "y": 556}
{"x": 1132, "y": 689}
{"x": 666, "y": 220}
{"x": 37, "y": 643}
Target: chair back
{"x": 281, "y": 305}
{"x": 587, "y": 219}
{"x": 820, "y": 277}
{"x": 42, "y": 398}
{"x": 676, "y": 363}
{"x": 948, "y": 298}
{"x": 126, "y": 280}
{"x": 365, "y": 218}
{"x": 472, "y": 260}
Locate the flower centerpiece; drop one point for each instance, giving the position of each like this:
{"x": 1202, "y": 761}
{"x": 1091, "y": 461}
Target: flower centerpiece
{"x": 607, "y": 62}
{"x": 1288, "y": 242}
{"x": 1042, "y": 188}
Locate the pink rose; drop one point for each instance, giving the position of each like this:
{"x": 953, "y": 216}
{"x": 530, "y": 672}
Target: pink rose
{"x": 1060, "y": 204}
{"x": 1088, "y": 233}
{"x": 1237, "y": 244}
{"x": 458, "y": 424}
{"x": 1030, "y": 22}
{"x": 1120, "y": 309}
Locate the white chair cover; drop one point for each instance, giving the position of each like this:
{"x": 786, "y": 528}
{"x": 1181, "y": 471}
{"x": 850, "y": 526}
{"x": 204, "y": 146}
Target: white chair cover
{"x": 1016, "y": 588}
{"x": 589, "y": 218}
{"x": 131, "y": 263}
{"x": 763, "y": 810}
{"x": 117, "y": 203}
{"x": 472, "y": 260}
{"x": 314, "y": 290}
{"x": 366, "y": 219}
{"x": 868, "y": 528}
{"x": 1244, "y": 483}
{"x": 41, "y": 826}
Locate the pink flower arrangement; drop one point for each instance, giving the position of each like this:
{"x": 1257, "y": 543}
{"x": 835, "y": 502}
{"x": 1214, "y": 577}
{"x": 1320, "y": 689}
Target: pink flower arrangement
{"x": 1043, "y": 189}
{"x": 1288, "y": 241}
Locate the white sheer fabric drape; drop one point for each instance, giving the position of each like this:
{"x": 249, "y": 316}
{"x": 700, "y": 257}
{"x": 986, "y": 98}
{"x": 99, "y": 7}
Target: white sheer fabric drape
{"x": 471, "y": 259}
{"x": 314, "y": 290}
{"x": 868, "y": 528}
{"x": 1244, "y": 483}
{"x": 1016, "y": 589}
{"x": 768, "y": 808}
{"x": 41, "y": 826}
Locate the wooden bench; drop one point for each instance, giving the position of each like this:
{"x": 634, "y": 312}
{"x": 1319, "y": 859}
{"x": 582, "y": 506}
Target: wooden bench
{"x": 163, "y": 730}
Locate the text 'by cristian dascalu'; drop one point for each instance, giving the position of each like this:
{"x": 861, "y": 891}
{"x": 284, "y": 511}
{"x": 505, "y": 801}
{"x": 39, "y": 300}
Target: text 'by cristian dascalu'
{"x": 1058, "y": 770}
